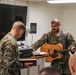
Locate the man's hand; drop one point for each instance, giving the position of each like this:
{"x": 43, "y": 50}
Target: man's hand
{"x": 28, "y": 64}
{"x": 73, "y": 49}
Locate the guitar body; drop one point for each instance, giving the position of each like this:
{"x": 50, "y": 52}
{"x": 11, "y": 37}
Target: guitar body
{"x": 51, "y": 48}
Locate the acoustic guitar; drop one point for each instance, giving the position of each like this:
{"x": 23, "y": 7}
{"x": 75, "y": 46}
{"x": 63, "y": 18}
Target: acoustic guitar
{"x": 53, "y": 51}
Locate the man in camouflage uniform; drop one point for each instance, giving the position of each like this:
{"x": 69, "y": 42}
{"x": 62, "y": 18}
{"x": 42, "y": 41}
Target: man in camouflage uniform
{"x": 54, "y": 37}
{"x": 9, "y": 56}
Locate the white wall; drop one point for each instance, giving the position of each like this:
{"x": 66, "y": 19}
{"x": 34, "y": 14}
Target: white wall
{"x": 69, "y": 18}
{"x": 14, "y": 2}
{"x": 42, "y": 13}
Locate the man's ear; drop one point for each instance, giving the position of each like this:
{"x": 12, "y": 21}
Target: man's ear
{"x": 21, "y": 31}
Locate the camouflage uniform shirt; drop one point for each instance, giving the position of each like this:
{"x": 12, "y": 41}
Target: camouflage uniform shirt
{"x": 51, "y": 38}
{"x": 9, "y": 56}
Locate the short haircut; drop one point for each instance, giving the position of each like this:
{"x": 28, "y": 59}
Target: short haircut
{"x": 19, "y": 25}
{"x": 55, "y": 21}
{"x": 50, "y": 71}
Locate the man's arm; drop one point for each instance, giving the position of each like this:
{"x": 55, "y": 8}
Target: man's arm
{"x": 71, "y": 42}
{"x": 40, "y": 42}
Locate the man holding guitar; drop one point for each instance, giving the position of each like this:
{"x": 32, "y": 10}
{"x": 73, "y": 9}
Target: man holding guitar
{"x": 59, "y": 40}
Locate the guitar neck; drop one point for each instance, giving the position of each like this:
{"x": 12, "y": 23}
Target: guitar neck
{"x": 61, "y": 51}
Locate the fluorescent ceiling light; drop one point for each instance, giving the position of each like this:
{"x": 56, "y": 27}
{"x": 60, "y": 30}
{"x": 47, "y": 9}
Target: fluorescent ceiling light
{"x": 61, "y": 1}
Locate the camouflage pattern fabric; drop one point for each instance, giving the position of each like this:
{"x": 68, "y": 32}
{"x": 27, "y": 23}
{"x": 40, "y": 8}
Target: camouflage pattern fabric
{"x": 51, "y": 38}
{"x": 9, "y": 56}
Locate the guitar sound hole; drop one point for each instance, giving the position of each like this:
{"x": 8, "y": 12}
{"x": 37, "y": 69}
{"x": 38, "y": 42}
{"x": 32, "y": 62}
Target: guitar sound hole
{"x": 55, "y": 51}
{"x": 54, "y": 55}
